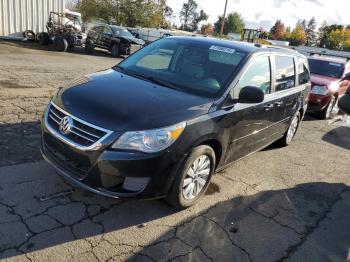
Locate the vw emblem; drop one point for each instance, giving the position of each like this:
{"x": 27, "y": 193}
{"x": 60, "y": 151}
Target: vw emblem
{"x": 66, "y": 125}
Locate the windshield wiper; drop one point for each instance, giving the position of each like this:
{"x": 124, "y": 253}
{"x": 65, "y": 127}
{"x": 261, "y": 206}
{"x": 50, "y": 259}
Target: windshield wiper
{"x": 147, "y": 78}
{"x": 152, "y": 79}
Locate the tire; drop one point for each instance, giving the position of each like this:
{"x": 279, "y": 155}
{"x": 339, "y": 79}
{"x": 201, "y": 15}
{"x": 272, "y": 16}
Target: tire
{"x": 43, "y": 38}
{"x": 291, "y": 131}
{"x": 61, "y": 44}
{"x": 89, "y": 46}
{"x": 29, "y": 34}
{"x": 115, "y": 50}
{"x": 327, "y": 112}
{"x": 182, "y": 196}
{"x": 70, "y": 43}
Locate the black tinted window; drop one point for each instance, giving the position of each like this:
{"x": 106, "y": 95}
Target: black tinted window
{"x": 285, "y": 73}
{"x": 326, "y": 68}
{"x": 303, "y": 72}
{"x": 258, "y": 74}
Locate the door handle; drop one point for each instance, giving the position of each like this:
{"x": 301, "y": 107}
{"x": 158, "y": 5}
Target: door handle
{"x": 268, "y": 107}
{"x": 279, "y": 104}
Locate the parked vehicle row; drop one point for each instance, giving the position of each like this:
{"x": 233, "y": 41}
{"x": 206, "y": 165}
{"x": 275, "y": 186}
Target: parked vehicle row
{"x": 165, "y": 119}
{"x": 66, "y": 30}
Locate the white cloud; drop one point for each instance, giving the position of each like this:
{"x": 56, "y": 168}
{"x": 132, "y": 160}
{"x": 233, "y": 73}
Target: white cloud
{"x": 265, "y": 12}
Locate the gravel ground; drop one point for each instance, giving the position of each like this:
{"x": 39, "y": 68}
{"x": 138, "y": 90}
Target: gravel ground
{"x": 280, "y": 204}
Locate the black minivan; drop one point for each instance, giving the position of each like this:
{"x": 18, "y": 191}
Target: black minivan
{"x": 164, "y": 120}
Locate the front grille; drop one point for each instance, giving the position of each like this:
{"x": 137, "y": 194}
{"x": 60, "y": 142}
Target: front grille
{"x": 82, "y": 134}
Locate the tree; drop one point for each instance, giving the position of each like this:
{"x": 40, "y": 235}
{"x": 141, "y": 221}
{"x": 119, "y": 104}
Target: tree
{"x": 335, "y": 39}
{"x": 189, "y": 16}
{"x": 346, "y": 43}
{"x": 199, "y": 17}
{"x": 322, "y": 34}
{"x": 311, "y": 36}
{"x": 207, "y": 29}
{"x": 325, "y": 32}
{"x": 278, "y": 30}
{"x": 234, "y": 23}
{"x": 147, "y": 13}
{"x": 297, "y": 36}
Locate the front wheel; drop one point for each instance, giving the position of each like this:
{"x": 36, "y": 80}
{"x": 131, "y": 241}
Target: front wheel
{"x": 193, "y": 178}
{"x": 291, "y": 131}
{"x": 61, "y": 44}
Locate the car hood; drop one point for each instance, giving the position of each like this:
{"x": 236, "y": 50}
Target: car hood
{"x": 119, "y": 102}
{"x": 323, "y": 80}
{"x": 134, "y": 40}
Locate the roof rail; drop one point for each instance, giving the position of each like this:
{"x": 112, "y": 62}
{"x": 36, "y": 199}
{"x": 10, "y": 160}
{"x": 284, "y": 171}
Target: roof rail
{"x": 290, "y": 49}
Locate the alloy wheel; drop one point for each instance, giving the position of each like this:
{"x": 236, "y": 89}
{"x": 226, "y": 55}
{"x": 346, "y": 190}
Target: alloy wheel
{"x": 196, "y": 177}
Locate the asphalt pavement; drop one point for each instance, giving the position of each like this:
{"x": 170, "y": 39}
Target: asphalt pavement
{"x": 280, "y": 204}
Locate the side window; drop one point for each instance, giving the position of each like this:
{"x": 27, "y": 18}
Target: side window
{"x": 107, "y": 30}
{"x": 285, "y": 72}
{"x": 258, "y": 74}
{"x": 303, "y": 72}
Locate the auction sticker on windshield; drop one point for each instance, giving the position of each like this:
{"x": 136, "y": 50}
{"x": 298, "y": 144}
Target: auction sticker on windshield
{"x": 222, "y": 49}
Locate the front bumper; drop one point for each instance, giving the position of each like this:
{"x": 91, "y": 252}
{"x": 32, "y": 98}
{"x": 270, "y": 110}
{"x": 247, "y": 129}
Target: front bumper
{"x": 106, "y": 172}
{"x": 318, "y": 102}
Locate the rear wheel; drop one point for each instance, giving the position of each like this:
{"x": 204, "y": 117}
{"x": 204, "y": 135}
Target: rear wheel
{"x": 115, "y": 50}
{"x": 327, "y": 112}
{"x": 291, "y": 131}
{"x": 29, "y": 34}
{"x": 61, "y": 44}
{"x": 193, "y": 178}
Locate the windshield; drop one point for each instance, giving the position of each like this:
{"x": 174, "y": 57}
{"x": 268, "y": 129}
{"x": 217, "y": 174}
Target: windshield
{"x": 326, "y": 68}
{"x": 121, "y": 31}
{"x": 201, "y": 68}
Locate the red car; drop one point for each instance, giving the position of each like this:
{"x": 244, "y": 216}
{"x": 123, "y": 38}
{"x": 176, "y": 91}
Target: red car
{"x": 330, "y": 77}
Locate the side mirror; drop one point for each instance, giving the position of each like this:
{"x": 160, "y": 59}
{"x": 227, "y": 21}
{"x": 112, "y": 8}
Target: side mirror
{"x": 344, "y": 103}
{"x": 251, "y": 95}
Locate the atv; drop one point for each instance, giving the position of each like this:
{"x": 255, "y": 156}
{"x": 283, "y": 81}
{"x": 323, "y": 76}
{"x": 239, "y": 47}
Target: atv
{"x": 64, "y": 30}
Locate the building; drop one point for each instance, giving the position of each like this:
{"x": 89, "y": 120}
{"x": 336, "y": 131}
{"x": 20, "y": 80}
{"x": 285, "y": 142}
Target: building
{"x": 16, "y": 16}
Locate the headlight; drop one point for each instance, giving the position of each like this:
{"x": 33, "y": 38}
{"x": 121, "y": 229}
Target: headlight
{"x": 333, "y": 87}
{"x": 319, "y": 90}
{"x": 150, "y": 141}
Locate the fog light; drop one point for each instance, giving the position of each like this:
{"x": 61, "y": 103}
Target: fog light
{"x": 135, "y": 183}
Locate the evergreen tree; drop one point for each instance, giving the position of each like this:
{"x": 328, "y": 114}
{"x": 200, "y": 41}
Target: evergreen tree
{"x": 311, "y": 36}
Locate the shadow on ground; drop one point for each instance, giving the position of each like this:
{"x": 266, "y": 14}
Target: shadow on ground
{"x": 266, "y": 226}
{"x": 339, "y": 136}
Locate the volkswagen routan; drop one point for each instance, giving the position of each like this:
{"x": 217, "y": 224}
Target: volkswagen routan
{"x": 163, "y": 121}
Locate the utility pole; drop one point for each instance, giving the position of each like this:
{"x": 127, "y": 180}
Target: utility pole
{"x": 223, "y": 19}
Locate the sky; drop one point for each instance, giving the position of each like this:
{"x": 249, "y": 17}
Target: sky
{"x": 257, "y": 13}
